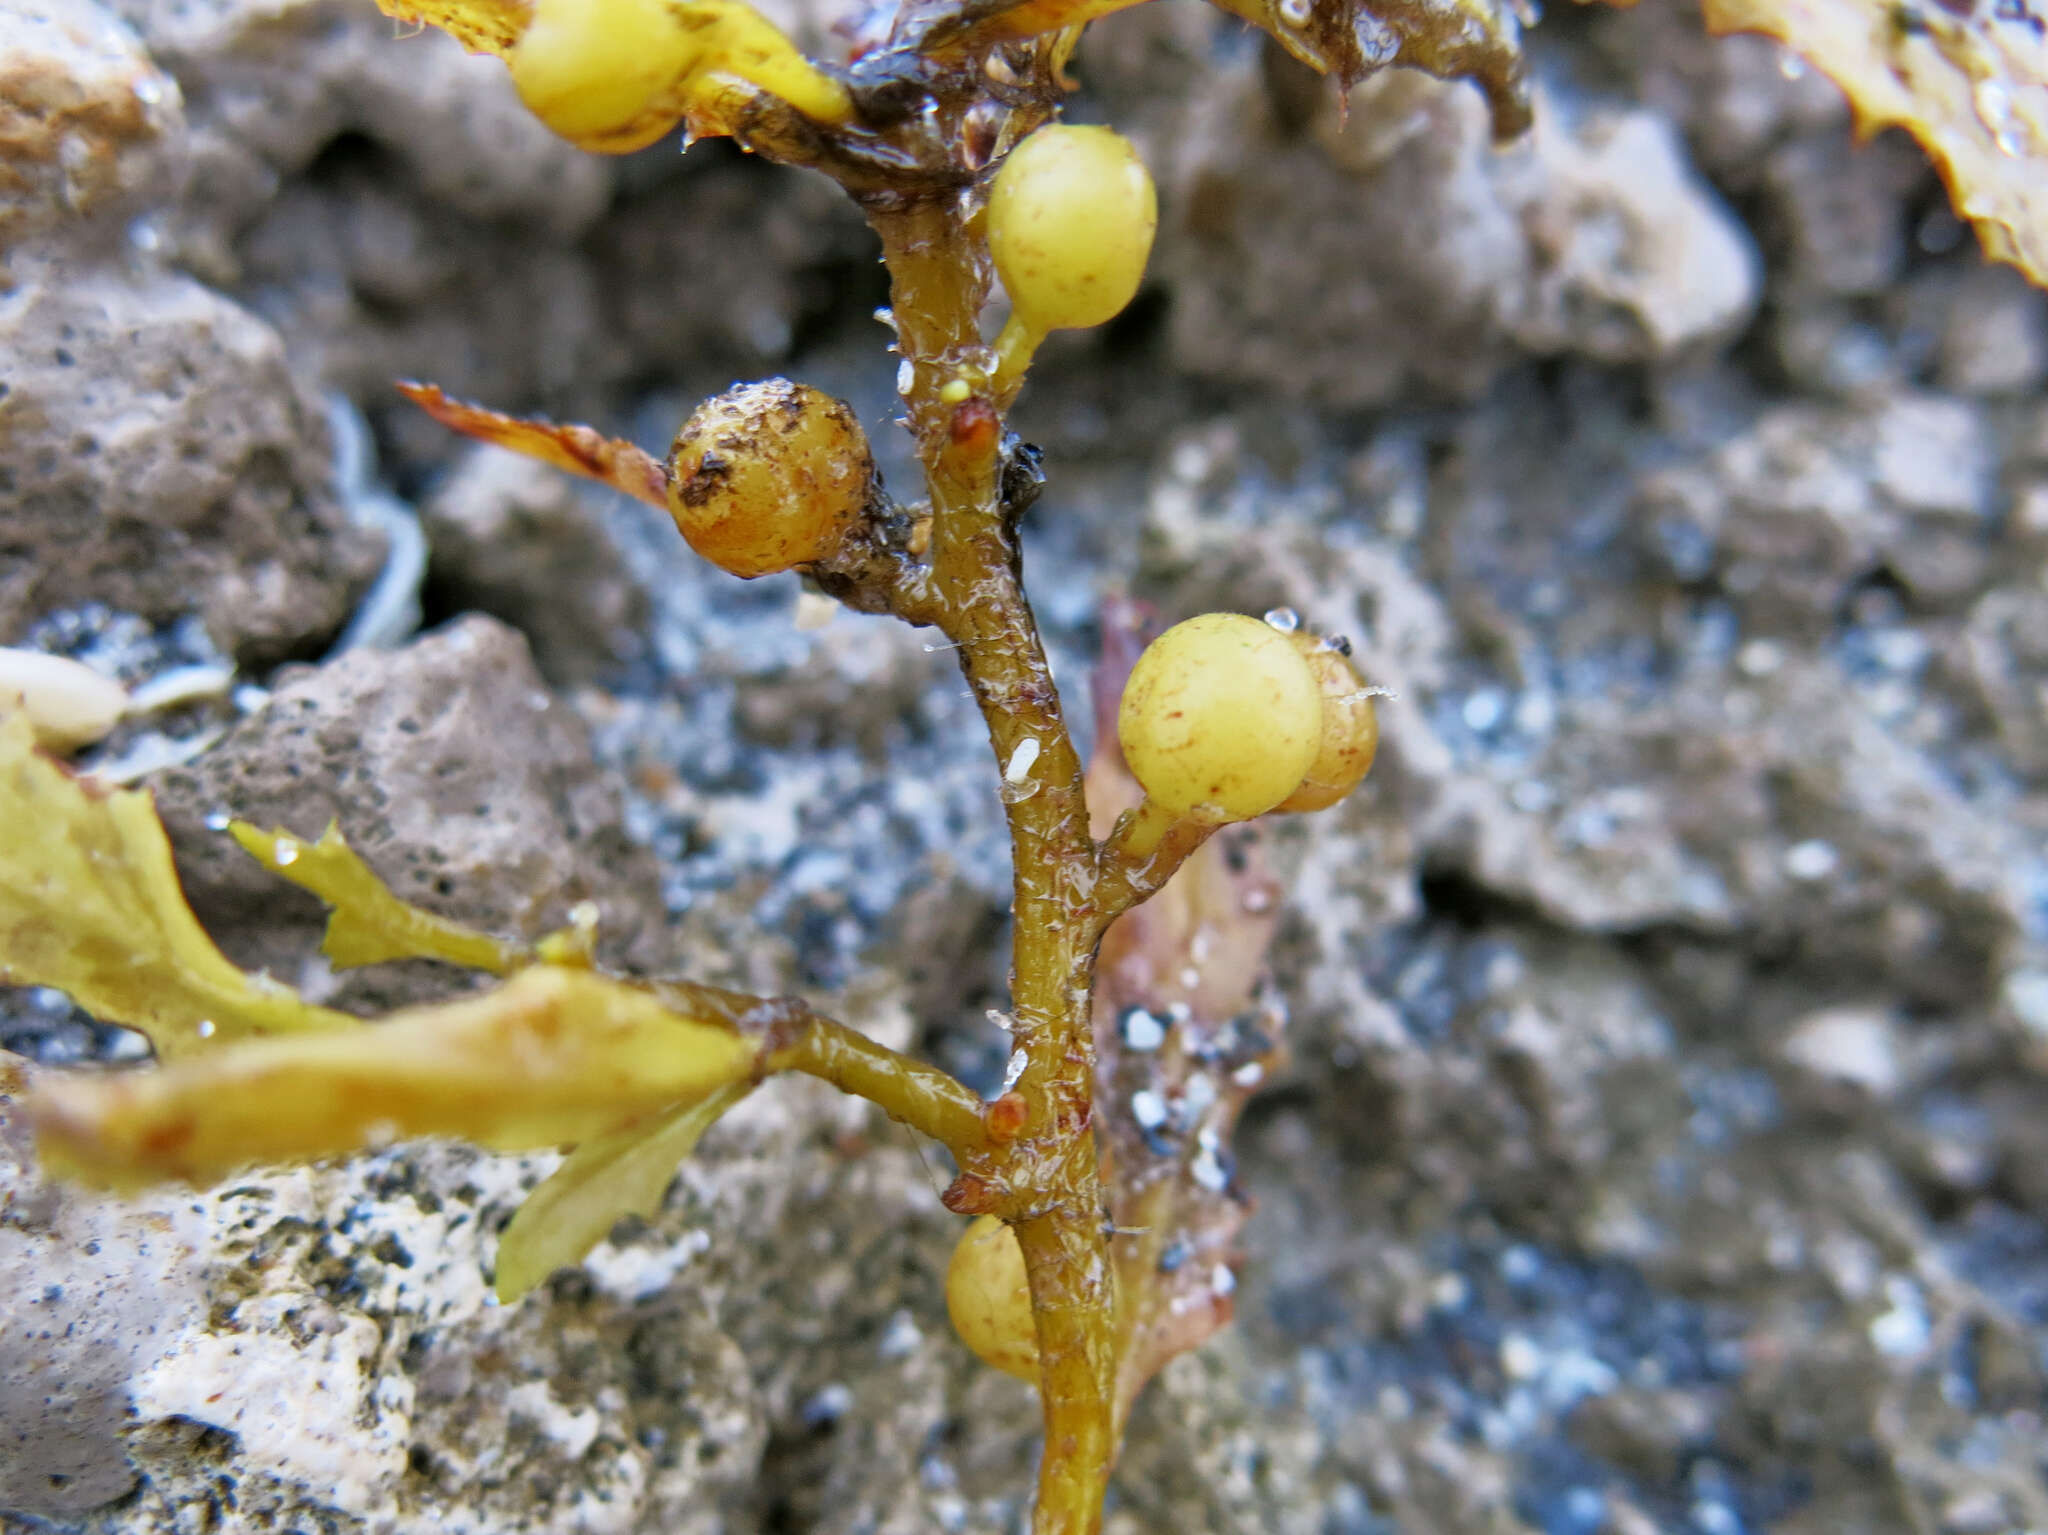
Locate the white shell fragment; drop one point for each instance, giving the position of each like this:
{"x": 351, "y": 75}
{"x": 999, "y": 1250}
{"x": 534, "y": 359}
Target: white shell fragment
{"x": 69, "y": 705}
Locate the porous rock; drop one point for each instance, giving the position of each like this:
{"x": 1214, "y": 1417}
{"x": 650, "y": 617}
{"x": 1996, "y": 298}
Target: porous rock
{"x": 452, "y": 769}
{"x": 319, "y": 1349}
{"x": 527, "y": 544}
{"x": 156, "y": 456}
{"x": 1792, "y": 513}
{"x": 90, "y": 129}
{"x": 271, "y": 86}
{"x": 1352, "y": 258}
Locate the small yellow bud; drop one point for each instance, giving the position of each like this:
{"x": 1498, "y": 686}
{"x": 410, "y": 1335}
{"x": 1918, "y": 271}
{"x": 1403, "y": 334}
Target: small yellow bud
{"x": 1070, "y": 222}
{"x": 604, "y": 73}
{"x": 769, "y": 476}
{"x": 1351, "y": 728}
{"x": 1221, "y": 718}
{"x": 989, "y": 1298}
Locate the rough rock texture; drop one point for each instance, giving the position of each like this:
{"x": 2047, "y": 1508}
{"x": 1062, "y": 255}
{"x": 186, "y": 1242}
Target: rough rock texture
{"x": 523, "y": 543}
{"x": 1435, "y": 258}
{"x": 89, "y": 127}
{"x": 1663, "y": 1149}
{"x": 451, "y": 768}
{"x": 159, "y": 458}
{"x": 156, "y": 455}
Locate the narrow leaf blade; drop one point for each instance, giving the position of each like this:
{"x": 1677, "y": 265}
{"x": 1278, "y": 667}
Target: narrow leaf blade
{"x": 578, "y": 449}
{"x": 369, "y": 924}
{"x": 625, "y": 1172}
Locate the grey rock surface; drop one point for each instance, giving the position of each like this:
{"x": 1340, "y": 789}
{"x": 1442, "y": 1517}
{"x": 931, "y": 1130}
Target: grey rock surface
{"x": 456, "y": 774}
{"x": 161, "y": 459}
{"x": 92, "y": 129}
{"x": 1662, "y": 1150}
{"x": 529, "y": 545}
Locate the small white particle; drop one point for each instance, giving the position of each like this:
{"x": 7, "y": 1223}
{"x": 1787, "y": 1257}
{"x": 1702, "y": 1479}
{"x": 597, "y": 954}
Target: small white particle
{"x": 1286, "y": 620}
{"x": 1811, "y": 860}
{"x": 813, "y": 611}
{"x": 1759, "y": 658}
{"x": 1148, "y": 1109}
{"x": 1142, "y": 1031}
{"x": 286, "y": 852}
{"x": 1483, "y": 710}
{"x": 1520, "y": 1359}
{"x": 206, "y": 1028}
{"x": 1022, "y": 760}
{"x": 1250, "y": 1074}
{"x": 2026, "y": 994}
{"x": 1221, "y": 1280}
{"x": 906, "y": 378}
{"x": 900, "y": 1338}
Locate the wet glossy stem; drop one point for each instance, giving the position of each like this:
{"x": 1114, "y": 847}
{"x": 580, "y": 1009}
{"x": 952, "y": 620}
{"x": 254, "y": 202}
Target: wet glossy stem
{"x": 910, "y": 1091}
{"x": 1045, "y": 1182}
{"x": 1141, "y": 855}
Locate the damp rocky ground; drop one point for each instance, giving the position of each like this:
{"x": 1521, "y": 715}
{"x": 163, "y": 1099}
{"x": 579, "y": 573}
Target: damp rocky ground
{"x": 1665, "y": 1141}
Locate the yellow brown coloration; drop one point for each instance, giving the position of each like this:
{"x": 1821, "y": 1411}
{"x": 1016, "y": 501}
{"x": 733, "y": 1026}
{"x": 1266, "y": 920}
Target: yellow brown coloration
{"x": 1221, "y": 719}
{"x": 90, "y": 904}
{"x": 1351, "y": 728}
{"x": 553, "y": 1055}
{"x": 988, "y": 1296}
{"x": 769, "y": 476}
{"x": 1070, "y": 224}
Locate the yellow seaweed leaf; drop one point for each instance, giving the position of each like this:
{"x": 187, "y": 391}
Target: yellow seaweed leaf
{"x": 371, "y": 925}
{"x": 90, "y": 904}
{"x": 624, "y": 1172}
{"x": 551, "y": 1056}
{"x": 481, "y": 26}
{"x": 1969, "y": 82}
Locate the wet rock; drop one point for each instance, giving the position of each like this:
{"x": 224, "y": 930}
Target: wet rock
{"x": 89, "y": 1289}
{"x": 159, "y": 459}
{"x": 1837, "y": 208}
{"x": 1735, "y": 98}
{"x": 527, "y": 544}
{"x": 272, "y": 87}
{"x": 1430, "y": 257}
{"x": 1793, "y": 513}
{"x": 90, "y": 129}
{"x": 723, "y": 265}
{"x": 1994, "y": 333}
{"x": 319, "y": 1349}
{"x": 1630, "y": 259}
{"x": 452, "y": 769}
